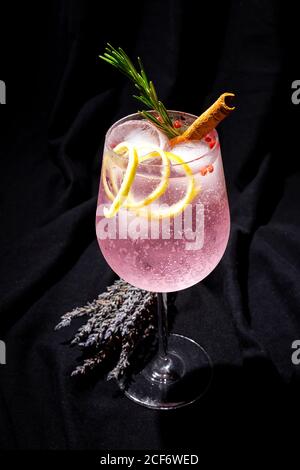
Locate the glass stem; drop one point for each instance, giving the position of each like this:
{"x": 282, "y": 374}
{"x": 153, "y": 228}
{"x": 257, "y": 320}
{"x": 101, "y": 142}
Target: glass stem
{"x": 165, "y": 367}
{"x": 162, "y": 315}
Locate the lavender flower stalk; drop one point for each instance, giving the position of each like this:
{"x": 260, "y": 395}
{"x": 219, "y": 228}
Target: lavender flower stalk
{"x": 117, "y": 321}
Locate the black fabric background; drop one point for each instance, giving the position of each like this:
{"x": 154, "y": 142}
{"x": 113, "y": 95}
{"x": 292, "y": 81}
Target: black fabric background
{"x": 61, "y": 99}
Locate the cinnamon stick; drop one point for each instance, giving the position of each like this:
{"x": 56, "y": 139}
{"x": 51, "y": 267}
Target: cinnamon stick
{"x": 208, "y": 120}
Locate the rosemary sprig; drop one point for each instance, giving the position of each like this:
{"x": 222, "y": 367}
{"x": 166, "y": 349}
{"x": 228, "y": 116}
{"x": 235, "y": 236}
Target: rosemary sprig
{"x": 147, "y": 93}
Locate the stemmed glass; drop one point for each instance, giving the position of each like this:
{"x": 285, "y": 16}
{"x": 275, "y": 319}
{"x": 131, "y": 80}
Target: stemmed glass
{"x": 162, "y": 253}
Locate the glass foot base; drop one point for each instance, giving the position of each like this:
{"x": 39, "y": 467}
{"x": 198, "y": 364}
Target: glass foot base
{"x": 179, "y": 380}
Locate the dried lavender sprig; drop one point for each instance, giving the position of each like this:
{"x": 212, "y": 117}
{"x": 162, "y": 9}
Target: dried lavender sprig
{"x": 113, "y": 292}
{"x": 140, "y": 330}
{"x": 89, "y": 364}
{"x": 102, "y": 316}
{"x": 129, "y": 330}
{"x": 127, "y": 350}
{"x": 112, "y": 297}
{"x": 119, "y": 324}
{"x": 100, "y": 327}
{"x": 117, "y": 320}
{"x": 139, "y": 325}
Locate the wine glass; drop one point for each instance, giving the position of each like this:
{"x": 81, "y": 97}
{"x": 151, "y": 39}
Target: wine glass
{"x": 167, "y": 245}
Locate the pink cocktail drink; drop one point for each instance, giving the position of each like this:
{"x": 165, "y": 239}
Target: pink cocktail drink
{"x": 170, "y": 253}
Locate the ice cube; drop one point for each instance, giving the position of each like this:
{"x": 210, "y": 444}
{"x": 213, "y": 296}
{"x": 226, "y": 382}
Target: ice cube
{"x": 138, "y": 133}
{"x": 192, "y": 152}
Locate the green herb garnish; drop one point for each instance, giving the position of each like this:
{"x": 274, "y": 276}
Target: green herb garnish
{"x": 119, "y": 59}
